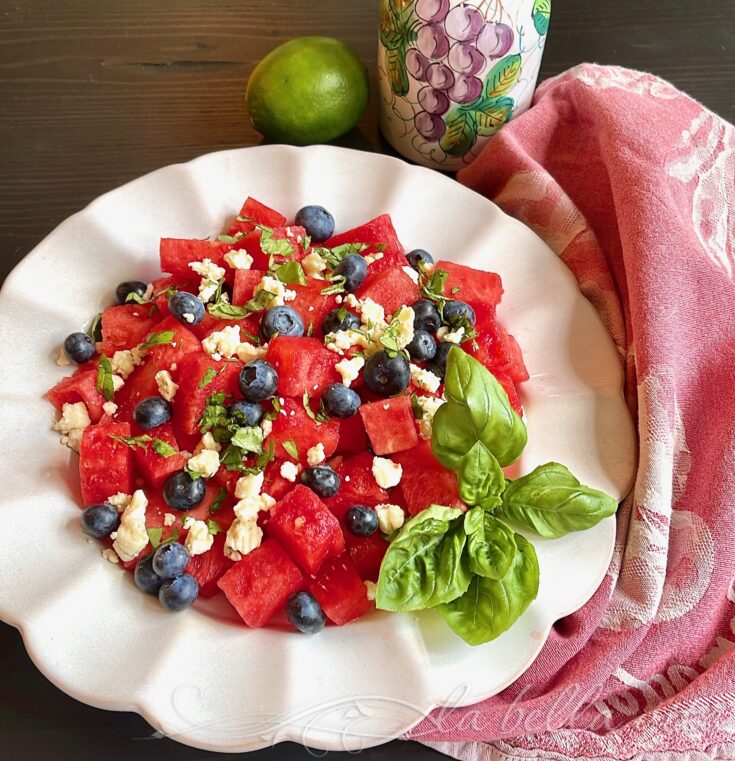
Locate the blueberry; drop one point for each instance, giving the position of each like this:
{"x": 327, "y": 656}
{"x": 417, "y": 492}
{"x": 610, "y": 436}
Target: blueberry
{"x": 422, "y": 347}
{"x": 179, "y": 593}
{"x": 131, "y": 286}
{"x": 340, "y": 319}
{"x": 258, "y": 380}
{"x": 281, "y": 321}
{"x": 419, "y": 256}
{"x": 305, "y": 613}
{"x": 246, "y": 413}
{"x": 182, "y": 492}
{"x": 361, "y": 520}
{"x": 170, "y": 560}
{"x": 426, "y": 316}
{"x": 99, "y": 520}
{"x": 186, "y": 308}
{"x": 317, "y": 221}
{"x": 79, "y": 347}
{"x": 145, "y": 577}
{"x": 152, "y": 412}
{"x": 438, "y": 365}
{"x": 321, "y": 479}
{"x": 386, "y": 375}
{"x": 456, "y": 313}
{"x": 353, "y": 269}
{"x": 341, "y": 401}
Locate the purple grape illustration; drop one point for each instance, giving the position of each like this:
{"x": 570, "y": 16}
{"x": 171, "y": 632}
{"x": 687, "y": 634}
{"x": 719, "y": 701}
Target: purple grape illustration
{"x": 417, "y": 64}
{"x": 463, "y": 23}
{"x": 432, "y": 41}
{"x": 495, "y": 40}
{"x": 432, "y": 10}
{"x": 465, "y": 58}
{"x": 465, "y": 89}
{"x": 429, "y": 126}
{"x": 433, "y": 101}
{"x": 440, "y": 76}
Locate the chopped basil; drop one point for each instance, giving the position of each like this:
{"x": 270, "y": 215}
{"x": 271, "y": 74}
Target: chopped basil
{"x": 456, "y": 289}
{"x": 162, "y": 448}
{"x": 291, "y": 272}
{"x": 232, "y": 458}
{"x": 218, "y": 501}
{"x": 94, "y": 329}
{"x": 310, "y": 329}
{"x": 208, "y": 377}
{"x": 135, "y": 297}
{"x": 227, "y": 239}
{"x": 268, "y": 455}
{"x": 105, "y": 385}
{"x": 418, "y": 410}
{"x": 338, "y": 285}
{"x": 159, "y": 446}
{"x": 433, "y": 287}
{"x": 214, "y": 413}
{"x": 290, "y": 446}
{"x": 275, "y": 246}
{"x": 214, "y": 527}
{"x": 248, "y": 439}
{"x": 154, "y": 535}
{"x": 157, "y": 339}
{"x": 318, "y": 417}
{"x": 226, "y": 311}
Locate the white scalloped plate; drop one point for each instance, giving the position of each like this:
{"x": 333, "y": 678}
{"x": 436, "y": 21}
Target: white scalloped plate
{"x": 201, "y": 677}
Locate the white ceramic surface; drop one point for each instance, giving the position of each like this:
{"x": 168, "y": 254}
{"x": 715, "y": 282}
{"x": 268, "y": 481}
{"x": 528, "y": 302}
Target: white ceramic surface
{"x": 201, "y": 677}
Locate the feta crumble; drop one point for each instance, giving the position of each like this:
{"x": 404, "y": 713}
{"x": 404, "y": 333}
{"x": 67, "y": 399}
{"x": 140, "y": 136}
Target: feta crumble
{"x": 314, "y": 265}
{"x": 289, "y": 471}
{"x": 242, "y": 538}
{"x": 349, "y": 369}
{"x": 109, "y": 555}
{"x": 223, "y": 343}
{"x": 166, "y": 386}
{"x": 211, "y": 275}
{"x": 169, "y": 519}
{"x": 273, "y": 285}
{"x": 267, "y": 426}
{"x": 123, "y": 362}
{"x": 315, "y": 454}
{"x": 404, "y": 317}
{"x": 455, "y": 337}
{"x": 109, "y": 408}
{"x": 117, "y": 383}
{"x": 74, "y": 419}
{"x": 247, "y": 509}
{"x": 205, "y": 463}
{"x": 370, "y": 589}
{"x": 352, "y": 301}
{"x": 372, "y": 313}
{"x": 249, "y": 485}
{"x": 247, "y": 352}
{"x": 62, "y": 360}
{"x": 390, "y": 517}
{"x": 131, "y": 537}
{"x": 198, "y": 540}
{"x": 239, "y": 259}
{"x": 370, "y": 258}
{"x": 209, "y": 443}
{"x": 386, "y": 472}
{"x": 429, "y": 405}
{"x": 424, "y": 379}
{"x": 119, "y": 500}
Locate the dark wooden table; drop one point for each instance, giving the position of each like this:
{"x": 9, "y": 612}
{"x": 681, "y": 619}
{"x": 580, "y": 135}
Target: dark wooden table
{"x": 96, "y": 92}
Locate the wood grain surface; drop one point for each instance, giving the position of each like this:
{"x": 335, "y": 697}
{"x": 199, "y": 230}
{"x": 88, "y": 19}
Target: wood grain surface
{"x": 96, "y": 92}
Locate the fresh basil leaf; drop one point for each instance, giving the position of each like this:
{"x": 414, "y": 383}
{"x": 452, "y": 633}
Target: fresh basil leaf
{"x": 232, "y": 458}
{"x": 133, "y": 441}
{"x": 214, "y": 527}
{"x": 162, "y": 448}
{"x": 479, "y": 477}
{"x": 156, "y": 339}
{"x": 154, "y": 536}
{"x": 135, "y": 297}
{"x": 491, "y": 606}
{"x": 226, "y": 311}
{"x": 425, "y": 564}
{"x": 105, "y": 385}
{"x": 477, "y": 409}
{"x": 290, "y": 446}
{"x": 94, "y": 329}
{"x": 249, "y": 439}
{"x": 227, "y": 239}
{"x": 291, "y": 273}
{"x": 208, "y": 377}
{"x": 214, "y": 413}
{"x": 552, "y": 502}
{"x": 274, "y": 246}
{"x": 268, "y": 455}
{"x": 491, "y": 545}
{"x": 317, "y": 417}
{"x": 333, "y": 256}
{"x": 338, "y": 285}
{"x": 310, "y": 329}
{"x": 433, "y": 286}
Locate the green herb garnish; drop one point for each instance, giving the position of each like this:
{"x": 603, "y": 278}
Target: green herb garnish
{"x": 218, "y": 501}
{"x": 248, "y": 439}
{"x": 105, "y": 384}
{"x": 291, "y": 273}
{"x": 208, "y": 377}
{"x": 290, "y": 446}
{"x": 158, "y": 339}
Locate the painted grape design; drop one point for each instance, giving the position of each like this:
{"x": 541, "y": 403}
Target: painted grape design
{"x": 445, "y": 49}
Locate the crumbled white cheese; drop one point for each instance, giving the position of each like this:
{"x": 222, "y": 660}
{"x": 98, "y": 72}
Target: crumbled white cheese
{"x": 132, "y": 538}
{"x": 110, "y": 556}
{"x": 372, "y": 313}
{"x": 267, "y": 426}
{"x": 247, "y": 352}
{"x": 314, "y": 265}
{"x": 386, "y": 472}
{"x": 74, "y": 419}
{"x": 411, "y": 272}
{"x": 289, "y": 471}
{"x": 247, "y": 509}
{"x": 315, "y": 454}
{"x": 404, "y": 316}
{"x": 211, "y": 275}
{"x": 455, "y": 337}
{"x": 390, "y": 517}
{"x": 62, "y": 360}
{"x": 429, "y": 405}
{"x": 117, "y": 383}
{"x": 370, "y": 258}
{"x": 273, "y": 285}
{"x": 239, "y": 259}
{"x": 198, "y": 540}
{"x": 223, "y": 343}
{"x": 205, "y": 463}
{"x": 341, "y": 340}
{"x": 242, "y": 538}
{"x": 352, "y": 301}
{"x": 119, "y": 500}
{"x": 370, "y": 589}
{"x": 166, "y": 386}
{"x": 349, "y": 369}
{"x": 169, "y": 519}
{"x": 109, "y": 408}
{"x": 123, "y": 362}
{"x": 424, "y": 379}
{"x": 208, "y": 442}
{"x": 189, "y": 317}
{"x": 249, "y": 485}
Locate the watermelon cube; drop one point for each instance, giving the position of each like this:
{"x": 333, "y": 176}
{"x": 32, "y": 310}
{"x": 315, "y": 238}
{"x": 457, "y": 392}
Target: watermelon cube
{"x": 183, "y": 342}
{"x": 303, "y": 364}
{"x": 352, "y": 436}
{"x": 251, "y": 243}
{"x": 82, "y": 386}
{"x": 312, "y": 305}
{"x": 105, "y": 464}
{"x": 306, "y": 529}
{"x": 391, "y": 288}
{"x": 125, "y": 326}
{"x": 293, "y": 424}
{"x": 209, "y": 567}
{"x": 259, "y": 585}
{"x": 245, "y": 282}
{"x": 339, "y": 590}
{"x": 377, "y": 231}
{"x": 390, "y": 425}
{"x": 475, "y": 286}
{"x": 153, "y": 467}
{"x": 177, "y": 253}
{"x": 257, "y": 214}
{"x": 366, "y": 553}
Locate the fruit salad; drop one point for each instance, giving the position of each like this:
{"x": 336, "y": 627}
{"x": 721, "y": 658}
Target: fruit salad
{"x": 312, "y": 424}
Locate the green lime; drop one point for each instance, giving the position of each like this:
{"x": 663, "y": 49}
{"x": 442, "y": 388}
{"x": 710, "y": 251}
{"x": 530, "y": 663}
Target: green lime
{"x": 308, "y": 90}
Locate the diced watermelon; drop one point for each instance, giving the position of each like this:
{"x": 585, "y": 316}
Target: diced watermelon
{"x": 312, "y": 305}
{"x": 292, "y": 423}
{"x": 261, "y": 260}
{"x": 358, "y": 485}
{"x": 352, "y": 435}
{"x": 425, "y": 482}
{"x": 303, "y": 364}
{"x": 377, "y": 231}
{"x": 153, "y": 467}
{"x": 257, "y": 213}
{"x": 306, "y": 529}
{"x": 496, "y": 348}
{"x": 82, "y": 386}
{"x": 192, "y": 395}
{"x": 162, "y": 286}
{"x": 366, "y": 553}
{"x": 125, "y": 326}
{"x": 391, "y": 288}
{"x": 475, "y": 286}
{"x": 182, "y": 343}
{"x": 259, "y": 584}
{"x": 105, "y": 464}
{"x": 273, "y": 482}
{"x": 390, "y": 424}
{"x": 177, "y": 253}
{"x": 210, "y": 323}
{"x": 245, "y": 282}
{"x": 339, "y": 590}
{"x": 209, "y": 567}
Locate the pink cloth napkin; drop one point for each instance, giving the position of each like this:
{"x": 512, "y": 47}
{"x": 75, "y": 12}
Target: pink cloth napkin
{"x": 632, "y": 184}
